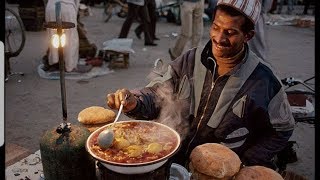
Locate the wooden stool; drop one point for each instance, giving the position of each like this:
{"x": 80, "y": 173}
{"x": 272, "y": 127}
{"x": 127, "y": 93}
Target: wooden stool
{"x": 117, "y": 59}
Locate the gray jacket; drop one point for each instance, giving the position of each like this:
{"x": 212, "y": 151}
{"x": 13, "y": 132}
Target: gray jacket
{"x": 246, "y": 110}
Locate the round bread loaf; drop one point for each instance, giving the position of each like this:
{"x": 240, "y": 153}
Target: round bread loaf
{"x": 196, "y": 175}
{"x": 257, "y": 172}
{"x": 95, "y": 115}
{"x": 215, "y": 160}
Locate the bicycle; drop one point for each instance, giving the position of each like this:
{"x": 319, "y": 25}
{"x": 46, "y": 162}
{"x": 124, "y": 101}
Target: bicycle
{"x": 15, "y": 38}
{"x": 302, "y": 101}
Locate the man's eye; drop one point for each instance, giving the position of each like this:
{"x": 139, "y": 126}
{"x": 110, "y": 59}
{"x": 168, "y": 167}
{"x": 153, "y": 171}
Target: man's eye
{"x": 230, "y": 32}
{"x": 214, "y": 27}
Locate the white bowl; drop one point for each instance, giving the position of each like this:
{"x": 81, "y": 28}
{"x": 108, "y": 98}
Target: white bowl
{"x": 134, "y": 168}
{"x": 178, "y": 172}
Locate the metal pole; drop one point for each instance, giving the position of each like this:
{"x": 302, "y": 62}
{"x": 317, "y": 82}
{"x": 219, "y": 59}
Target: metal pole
{"x": 61, "y": 63}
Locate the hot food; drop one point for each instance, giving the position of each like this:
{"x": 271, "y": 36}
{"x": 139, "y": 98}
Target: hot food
{"x": 136, "y": 142}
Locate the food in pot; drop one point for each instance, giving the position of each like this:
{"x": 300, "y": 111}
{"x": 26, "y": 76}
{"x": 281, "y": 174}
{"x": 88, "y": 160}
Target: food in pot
{"x": 257, "y": 172}
{"x": 154, "y": 148}
{"x": 136, "y": 142}
{"x": 95, "y": 115}
{"x": 213, "y": 161}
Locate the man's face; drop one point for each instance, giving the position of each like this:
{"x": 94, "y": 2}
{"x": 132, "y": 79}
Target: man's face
{"x": 226, "y": 35}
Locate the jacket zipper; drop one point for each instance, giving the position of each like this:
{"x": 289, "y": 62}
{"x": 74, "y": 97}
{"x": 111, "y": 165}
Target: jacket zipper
{"x": 205, "y": 108}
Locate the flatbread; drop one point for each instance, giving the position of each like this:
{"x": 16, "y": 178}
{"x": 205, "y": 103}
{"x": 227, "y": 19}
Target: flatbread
{"x": 96, "y": 115}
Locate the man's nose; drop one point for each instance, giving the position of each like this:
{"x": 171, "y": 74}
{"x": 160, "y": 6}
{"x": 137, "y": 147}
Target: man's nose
{"x": 221, "y": 37}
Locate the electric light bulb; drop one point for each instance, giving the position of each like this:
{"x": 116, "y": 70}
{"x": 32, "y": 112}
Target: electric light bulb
{"x": 63, "y": 40}
{"x": 55, "y": 40}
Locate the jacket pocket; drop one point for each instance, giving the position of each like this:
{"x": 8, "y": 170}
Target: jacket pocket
{"x": 238, "y": 107}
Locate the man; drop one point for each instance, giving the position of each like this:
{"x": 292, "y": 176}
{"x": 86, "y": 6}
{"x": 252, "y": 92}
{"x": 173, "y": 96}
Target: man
{"x": 191, "y": 26}
{"x": 211, "y": 6}
{"x": 151, "y": 6}
{"x": 289, "y": 7}
{"x": 223, "y": 93}
{"x": 138, "y": 8}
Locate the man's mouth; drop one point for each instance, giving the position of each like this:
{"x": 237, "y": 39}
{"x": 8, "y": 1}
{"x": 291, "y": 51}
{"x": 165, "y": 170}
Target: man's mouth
{"x": 221, "y": 47}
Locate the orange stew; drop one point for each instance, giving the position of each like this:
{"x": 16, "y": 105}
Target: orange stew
{"x": 136, "y": 143}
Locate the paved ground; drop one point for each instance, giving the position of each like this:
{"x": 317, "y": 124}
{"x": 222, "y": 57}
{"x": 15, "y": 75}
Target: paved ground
{"x": 33, "y": 104}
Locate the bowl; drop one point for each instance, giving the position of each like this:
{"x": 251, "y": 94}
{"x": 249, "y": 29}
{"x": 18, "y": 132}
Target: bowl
{"x": 134, "y": 167}
{"x": 178, "y": 172}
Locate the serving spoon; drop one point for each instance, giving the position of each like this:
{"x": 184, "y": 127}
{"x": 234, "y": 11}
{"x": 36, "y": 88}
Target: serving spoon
{"x": 106, "y": 137}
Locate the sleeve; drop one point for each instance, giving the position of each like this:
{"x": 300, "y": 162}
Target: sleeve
{"x": 282, "y": 123}
{"x": 151, "y": 98}
{"x": 148, "y": 105}
{"x": 163, "y": 84}
{"x": 263, "y": 152}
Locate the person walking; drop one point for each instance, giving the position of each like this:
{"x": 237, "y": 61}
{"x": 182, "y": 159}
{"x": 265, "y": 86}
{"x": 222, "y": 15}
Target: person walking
{"x": 211, "y": 6}
{"x": 289, "y": 6}
{"x": 273, "y": 6}
{"x": 306, "y": 6}
{"x": 151, "y": 5}
{"x": 138, "y": 9}
{"x": 191, "y": 26}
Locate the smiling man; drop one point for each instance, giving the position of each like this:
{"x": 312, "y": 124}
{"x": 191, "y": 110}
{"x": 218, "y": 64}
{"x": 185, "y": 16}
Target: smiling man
{"x": 222, "y": 93}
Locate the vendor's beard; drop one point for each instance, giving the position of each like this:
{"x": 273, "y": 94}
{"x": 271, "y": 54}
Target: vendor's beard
{"x": 227, "y": 64}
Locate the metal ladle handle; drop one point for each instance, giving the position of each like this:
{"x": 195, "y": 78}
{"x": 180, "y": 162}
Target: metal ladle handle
{"x": 120, "y": 110}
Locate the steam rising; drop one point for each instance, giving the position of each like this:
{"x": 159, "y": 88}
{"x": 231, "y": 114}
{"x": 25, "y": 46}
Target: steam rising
{"x": 174, "y": 111}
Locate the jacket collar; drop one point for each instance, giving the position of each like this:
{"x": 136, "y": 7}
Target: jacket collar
{"x": 209, "y": 61}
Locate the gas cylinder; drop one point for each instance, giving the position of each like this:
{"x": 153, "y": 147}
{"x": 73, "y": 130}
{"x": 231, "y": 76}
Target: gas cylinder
{"x": 64, "y": 156}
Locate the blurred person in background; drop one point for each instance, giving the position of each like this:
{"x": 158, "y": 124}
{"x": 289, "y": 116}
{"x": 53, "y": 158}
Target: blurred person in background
{"x": 138, "y": 9}
{"x": 289, "y": 6}
{"x": 273, "y": 7}
{"x": 191, "y": 26}
{"x": 151, "y": 5}
{"x": 211, "y": 6}
{"x": 258, "y": 44}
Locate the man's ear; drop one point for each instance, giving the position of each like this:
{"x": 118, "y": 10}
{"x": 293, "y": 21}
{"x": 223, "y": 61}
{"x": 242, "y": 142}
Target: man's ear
{"x": 249, "y": 35}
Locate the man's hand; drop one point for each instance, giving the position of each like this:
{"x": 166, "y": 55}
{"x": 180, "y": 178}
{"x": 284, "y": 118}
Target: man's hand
{"x": 114, "y": 100}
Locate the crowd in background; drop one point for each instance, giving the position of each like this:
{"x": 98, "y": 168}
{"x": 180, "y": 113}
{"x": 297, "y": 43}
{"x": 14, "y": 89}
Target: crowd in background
{"x": 145, "y": 12}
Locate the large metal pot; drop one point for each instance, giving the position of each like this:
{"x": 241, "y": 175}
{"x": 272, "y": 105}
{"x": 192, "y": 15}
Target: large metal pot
{"x": 133, "y": 168}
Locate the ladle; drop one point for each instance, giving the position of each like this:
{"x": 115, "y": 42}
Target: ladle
{"x": 106, "y": 137}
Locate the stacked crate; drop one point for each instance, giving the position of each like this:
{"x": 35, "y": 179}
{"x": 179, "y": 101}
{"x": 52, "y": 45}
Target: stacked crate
{"x": 32, "y": 14}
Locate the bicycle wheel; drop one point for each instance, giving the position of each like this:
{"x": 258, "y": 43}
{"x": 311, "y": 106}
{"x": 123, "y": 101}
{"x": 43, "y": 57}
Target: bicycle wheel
{"x": 302, "y": 105}
{"x": 15, "y": 36}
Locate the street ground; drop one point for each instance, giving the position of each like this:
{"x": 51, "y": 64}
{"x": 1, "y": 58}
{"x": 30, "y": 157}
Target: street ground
{"x": 33, "y": 104}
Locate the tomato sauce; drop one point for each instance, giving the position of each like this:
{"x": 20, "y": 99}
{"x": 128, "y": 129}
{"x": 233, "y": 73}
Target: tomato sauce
{"x": 139, "y": 135}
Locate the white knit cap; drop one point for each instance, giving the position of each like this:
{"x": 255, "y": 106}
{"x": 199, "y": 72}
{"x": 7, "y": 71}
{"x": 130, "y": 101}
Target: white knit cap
{"x": 250, "y": 8}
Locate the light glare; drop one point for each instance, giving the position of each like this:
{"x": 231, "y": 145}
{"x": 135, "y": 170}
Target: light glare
{"x": 55, "y": 40}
